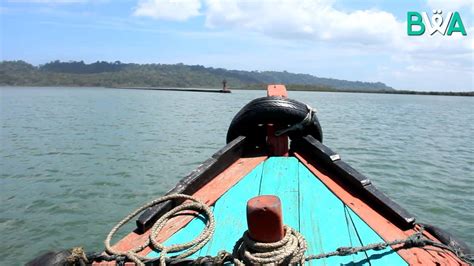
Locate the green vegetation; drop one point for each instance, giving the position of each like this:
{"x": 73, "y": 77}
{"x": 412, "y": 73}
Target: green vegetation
{"x": 118, "y": 74}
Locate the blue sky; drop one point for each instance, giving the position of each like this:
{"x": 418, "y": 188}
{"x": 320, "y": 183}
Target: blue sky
{"x": 353, "y": 40}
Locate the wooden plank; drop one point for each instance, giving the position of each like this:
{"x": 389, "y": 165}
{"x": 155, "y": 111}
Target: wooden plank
{"x": 387, "y": 230}
{"x": 277, "y": 145}
{"x": 355, "y": 239}
{"x": 277, "y": 175}
{"x": 209, "y": 194}
{"x": 353, "y": 180}
{"x": 365, "y": 235}
{"x": 323, "y": 221}
{"x": 186, "y": 234}
{"x": 280, "y": 178}
{"x": 230, "y": 213}
{"x": 232, "y": 222}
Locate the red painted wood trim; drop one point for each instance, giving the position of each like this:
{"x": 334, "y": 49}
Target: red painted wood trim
{"x": 277, "y": 146}
{"x": 384, "y": 228}
{"x": 209, "y": 194}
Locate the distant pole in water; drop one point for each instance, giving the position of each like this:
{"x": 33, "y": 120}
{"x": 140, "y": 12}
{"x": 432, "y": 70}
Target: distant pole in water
{"x": 224, "y": 85}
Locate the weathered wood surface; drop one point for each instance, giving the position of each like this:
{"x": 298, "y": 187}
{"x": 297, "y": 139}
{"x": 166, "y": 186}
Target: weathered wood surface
{"x": 379, "y": 224}
{"x": 277, "y": 145}
{"x": 326, "y": 214}
{"x": 327, "y": 159}
{"x": 209, "y": 194}
{"x": 230, "y": 211}
{"x": 308, "y": 206}
{"x": 323, "y": 221}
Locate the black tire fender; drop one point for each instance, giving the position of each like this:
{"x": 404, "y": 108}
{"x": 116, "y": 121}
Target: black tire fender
{"x": 55, "y": 258}
{"x": 282, "y": 112}
{"x": 447, "y": 238}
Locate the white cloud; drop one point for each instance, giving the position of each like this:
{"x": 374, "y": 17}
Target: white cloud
{"x": 320, "y": 21}
{"x": 316, "y": 20}
{"x": 313, "y": 22}
{"x": 177, "y": 10}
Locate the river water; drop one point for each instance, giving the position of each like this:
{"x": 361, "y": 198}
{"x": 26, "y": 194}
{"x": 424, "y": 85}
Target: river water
{"x": 74, "y": 161}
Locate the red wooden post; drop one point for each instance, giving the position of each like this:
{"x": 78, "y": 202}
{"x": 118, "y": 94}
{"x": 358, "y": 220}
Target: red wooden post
{"x": 264, "y": 219}
{"x": 278, "y": 146}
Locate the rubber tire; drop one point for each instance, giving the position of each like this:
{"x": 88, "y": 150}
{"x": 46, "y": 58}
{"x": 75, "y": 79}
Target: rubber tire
{"x": 447, "y": 238}
{"x": 279, "y": 111}
{"x": 53, "y": 258}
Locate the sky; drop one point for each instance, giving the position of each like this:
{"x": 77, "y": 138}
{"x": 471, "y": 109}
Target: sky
{"x": 352, "y": 40}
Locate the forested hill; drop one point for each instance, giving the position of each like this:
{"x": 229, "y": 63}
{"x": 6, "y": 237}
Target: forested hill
{"x": 117, "y": 74}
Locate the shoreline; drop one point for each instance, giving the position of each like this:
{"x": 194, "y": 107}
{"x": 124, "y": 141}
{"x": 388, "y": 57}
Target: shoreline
{"x": 216, "y": 90}
{"x": 171, "y": 89}
{"x": 400, "y": 92}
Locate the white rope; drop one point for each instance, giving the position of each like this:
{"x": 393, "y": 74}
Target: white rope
{"x": 289, "y": 250}
{"x": 301, "y": 125}
{"x": 190, "y": 247}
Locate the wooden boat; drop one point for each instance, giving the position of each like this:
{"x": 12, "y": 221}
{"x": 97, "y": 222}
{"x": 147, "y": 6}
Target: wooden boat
{"x": 275, "y": 148}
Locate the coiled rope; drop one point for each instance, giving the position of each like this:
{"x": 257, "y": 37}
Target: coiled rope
{"x": 191, "y": 247}
{"x": 289, "y": 250}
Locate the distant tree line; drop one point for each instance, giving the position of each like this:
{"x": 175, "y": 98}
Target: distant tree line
{"x": 78, "y": 73}
{"x": 82, "y": 68}
{"x": 118, "y": 74}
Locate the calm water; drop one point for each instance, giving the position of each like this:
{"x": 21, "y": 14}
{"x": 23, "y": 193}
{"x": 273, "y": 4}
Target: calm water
{"x": 75, "y": 161}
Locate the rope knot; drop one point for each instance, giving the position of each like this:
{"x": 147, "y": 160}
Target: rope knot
{"x": 344, "y": 251}
{"x": 381, "y": 246}
{"x": 77, "y": 255}
{"x": 416, "y": 240}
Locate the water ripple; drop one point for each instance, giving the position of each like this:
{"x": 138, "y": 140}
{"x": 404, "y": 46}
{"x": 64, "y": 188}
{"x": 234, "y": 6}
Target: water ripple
{"x": 73, "y": 163}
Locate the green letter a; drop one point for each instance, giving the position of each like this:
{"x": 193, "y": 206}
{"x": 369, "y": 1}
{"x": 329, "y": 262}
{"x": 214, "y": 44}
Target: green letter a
{"x": 456, "y": 20}
{"x": 417, "y": 22}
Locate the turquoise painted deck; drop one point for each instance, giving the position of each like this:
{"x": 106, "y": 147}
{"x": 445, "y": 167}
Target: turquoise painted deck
{"x": 308, "y": 206}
